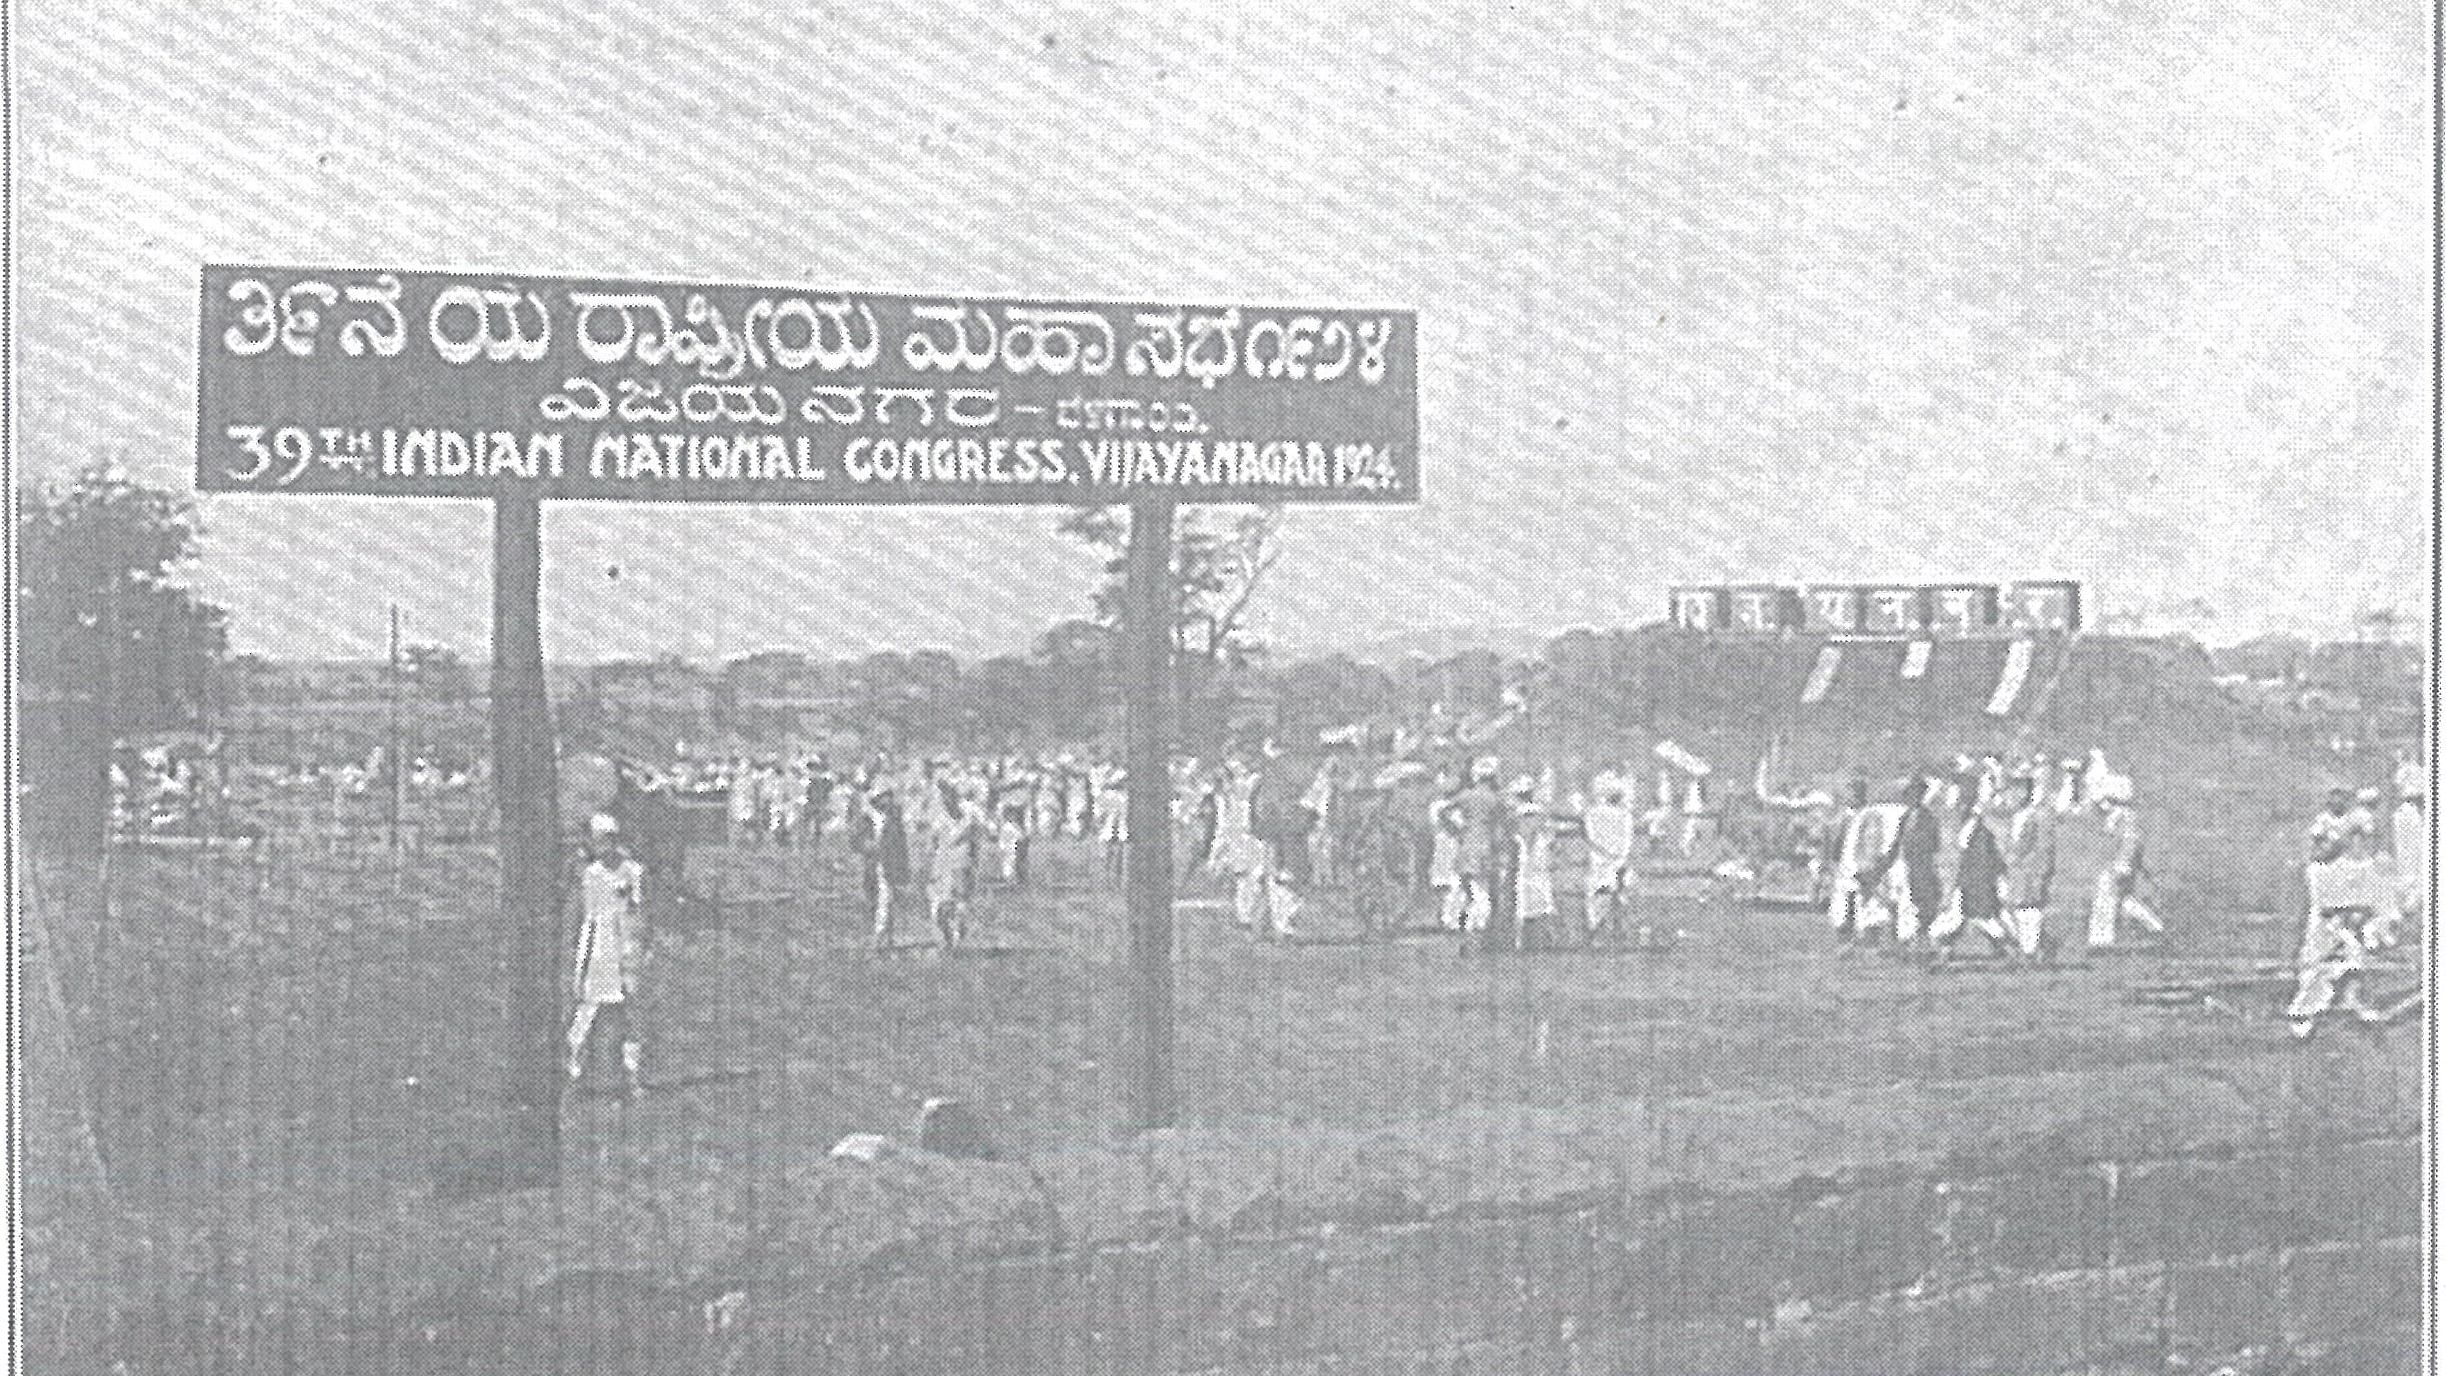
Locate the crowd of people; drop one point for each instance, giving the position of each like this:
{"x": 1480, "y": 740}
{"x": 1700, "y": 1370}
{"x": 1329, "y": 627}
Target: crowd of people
{"x": 927, "y": 834}
{"x": 2005, "y": 858}
{"x": 1987, "y": 846}
{"x": 1973, "y": 847}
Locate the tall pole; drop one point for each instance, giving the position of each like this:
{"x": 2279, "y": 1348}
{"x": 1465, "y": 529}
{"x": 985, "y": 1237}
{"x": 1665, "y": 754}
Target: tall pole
{"x": 1147, "y": 658}
{"x": 526, "y": 792}
{"x": 399, "y": 778}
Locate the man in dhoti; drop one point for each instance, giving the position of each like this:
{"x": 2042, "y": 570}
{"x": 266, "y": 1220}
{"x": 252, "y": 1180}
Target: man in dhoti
{"x": 2115, "y": 896}
{"x": 884, "y": 853}
{"x": 1612, "y": 832}
{"x": 1280, "y": 822}
{"x": 1011, "y": 833}
{"x": 610, "y": 895}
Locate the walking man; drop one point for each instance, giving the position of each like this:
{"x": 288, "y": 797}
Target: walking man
{"x": 954, "y": 828}
{"x": 2115, "y": 896}
{"x": 610, "y": 894}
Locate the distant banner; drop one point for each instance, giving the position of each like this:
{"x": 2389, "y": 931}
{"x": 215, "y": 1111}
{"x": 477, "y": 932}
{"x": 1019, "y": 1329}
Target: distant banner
{"x": 2017, "y": 662}
{"x": 1822, "y": 674}
{"x": 480, "y": 385}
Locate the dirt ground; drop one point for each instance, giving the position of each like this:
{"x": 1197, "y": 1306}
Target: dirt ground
{"x": 298, "y": 1036}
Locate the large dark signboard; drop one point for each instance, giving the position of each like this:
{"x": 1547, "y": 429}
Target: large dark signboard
{"x": 481, "y": 385}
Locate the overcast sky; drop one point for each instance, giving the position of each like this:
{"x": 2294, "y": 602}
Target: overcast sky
{"x": 2131, "y": 293}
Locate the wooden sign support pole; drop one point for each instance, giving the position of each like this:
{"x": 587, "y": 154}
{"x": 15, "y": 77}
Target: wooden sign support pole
{"x": 527, "y": 793}
{"x": 1147, "y": 659}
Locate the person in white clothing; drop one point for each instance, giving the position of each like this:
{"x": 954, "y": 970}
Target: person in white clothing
{"x": 1113, "y": 823}
{"x": 1869, "y": 892}
{"x": 610, "y": 894}
{"x": 2411, "y": 848}
{"x": 743, "y": 800}
{"x": 952, "y": 830}
{"x": 2115, "y": 896}
{"x": 2345, "y": 892}
{"x": 1612, "y": 830}
{"x": 1261, "y": 903}
{"x": 1532, "y": 858}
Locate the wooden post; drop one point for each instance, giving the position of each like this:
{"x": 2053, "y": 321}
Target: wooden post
{"x": 399, "y": 773}
{"x": 527, "y": 793}
{"x": 1147, "y": 657}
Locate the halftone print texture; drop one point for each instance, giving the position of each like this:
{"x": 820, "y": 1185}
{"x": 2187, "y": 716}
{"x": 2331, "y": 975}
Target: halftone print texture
{"x": 1540, "y": 997}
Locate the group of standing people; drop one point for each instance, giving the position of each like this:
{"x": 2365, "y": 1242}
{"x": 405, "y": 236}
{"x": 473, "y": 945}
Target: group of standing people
{"x": 2367, "y": 880}
{"x": 1457, "y": 849}
{"x": 931, "y": 835}
{"x": 1987, "y": 847}
{"x": 777, "y": 803}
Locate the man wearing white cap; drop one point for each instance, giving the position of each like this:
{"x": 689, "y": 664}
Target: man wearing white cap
{"x": 1612, "y": 831}
{"x": 610, "y": 950}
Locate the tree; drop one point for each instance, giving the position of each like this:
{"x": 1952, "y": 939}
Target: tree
{"x": 111, "y": 645}
{"x": 2277, "y": 656}
{"x": 1217, "y": 568}
{"x": 101, "y": 607}
{"x": 999, "y": 697}
{"x": 1078, "y": 661}
{"x": 1218, "y": 565}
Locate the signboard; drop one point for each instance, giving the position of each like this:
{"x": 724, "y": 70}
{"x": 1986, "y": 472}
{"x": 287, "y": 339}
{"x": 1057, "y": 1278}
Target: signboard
{"x": 2053, "y": 605}
{"x": 314, "y": 381}
{"x": 1965, "y": 609}
{"x": 1878, "y": 611}
{"x": 1698, "y": 609}
{"x": 1834, "y": 609}
{"x": 1892, "y": 609}
{"x": 1762, "y": 609}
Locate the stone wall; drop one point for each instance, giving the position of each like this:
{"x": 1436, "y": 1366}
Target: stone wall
{"x": 2263, "y": 1209}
